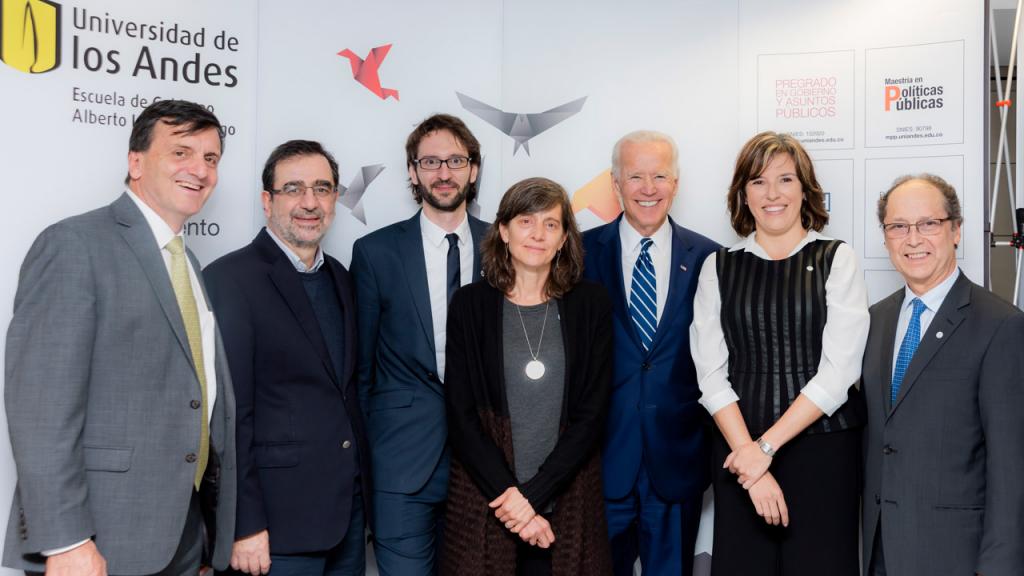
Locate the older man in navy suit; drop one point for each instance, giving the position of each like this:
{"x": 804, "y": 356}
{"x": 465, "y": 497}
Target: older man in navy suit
{"x": 656, "y": 459}
{"x": 288, "y": 318}
{"x": 405, "y": 274}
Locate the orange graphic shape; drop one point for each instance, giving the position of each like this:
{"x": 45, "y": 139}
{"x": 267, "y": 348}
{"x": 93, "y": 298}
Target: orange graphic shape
{"x": 366, "y": 71}
{"x": 599, "y": 196}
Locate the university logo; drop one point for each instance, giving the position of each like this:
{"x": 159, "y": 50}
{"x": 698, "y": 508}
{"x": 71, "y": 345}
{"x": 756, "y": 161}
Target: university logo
{"x": 30, "y": 35}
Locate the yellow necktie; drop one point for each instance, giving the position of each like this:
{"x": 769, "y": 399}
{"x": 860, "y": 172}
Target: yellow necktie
{"x": 190, "y": 316}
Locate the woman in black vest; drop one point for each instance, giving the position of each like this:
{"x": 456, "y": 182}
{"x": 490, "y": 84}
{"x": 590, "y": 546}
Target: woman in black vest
{"x": 780, "y": 325}
{"x": 527, "y": 385}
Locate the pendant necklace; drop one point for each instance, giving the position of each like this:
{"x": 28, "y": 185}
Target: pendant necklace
{"x": 534, "y": 368}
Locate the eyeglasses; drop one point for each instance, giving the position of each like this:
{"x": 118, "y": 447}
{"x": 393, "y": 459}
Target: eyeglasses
{"x": 434, "y": 163}
{"x": 929, "y": 227}
{"x": 294, "y": 190}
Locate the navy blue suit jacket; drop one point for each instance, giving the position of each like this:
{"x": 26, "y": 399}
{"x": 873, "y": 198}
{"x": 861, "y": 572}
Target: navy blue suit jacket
{"x": 292, "y": 476}
{"x": 399, "y": 389}
{"x": 654, "y": 415}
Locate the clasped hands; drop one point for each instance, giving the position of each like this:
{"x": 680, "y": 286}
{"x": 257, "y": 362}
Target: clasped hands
{"x": 750, "y": 465}
{"x": 514, "y": 511}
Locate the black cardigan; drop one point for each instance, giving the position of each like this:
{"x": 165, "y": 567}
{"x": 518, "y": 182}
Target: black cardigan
{"x": 475, "y": 383}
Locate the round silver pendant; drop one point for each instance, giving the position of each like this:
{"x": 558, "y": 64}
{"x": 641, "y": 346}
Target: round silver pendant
{"x": 534, "y": 369}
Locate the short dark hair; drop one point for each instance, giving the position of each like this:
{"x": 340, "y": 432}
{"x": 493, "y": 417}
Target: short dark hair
{"x": 190, "y": 116}
{"x": 529, "y": 197}
{"x": 462, "y": 135}
{"x": 952, "y": 203}
{"x": 753, "y": 159}
{"x": 291, "y": 149}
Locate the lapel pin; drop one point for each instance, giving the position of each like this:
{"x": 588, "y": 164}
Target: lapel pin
{"x": 810, "y": 268}
{"x": 938, "y": 335}
{"x": 683, "y": 268}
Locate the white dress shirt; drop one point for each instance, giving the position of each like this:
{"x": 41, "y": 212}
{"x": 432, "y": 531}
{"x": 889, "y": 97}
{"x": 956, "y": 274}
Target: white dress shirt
{"x": 661, "y": 255}
{"x": 842, "y": 341}
{"x": 932, "y": 300}
{"x": 435, "y": 253}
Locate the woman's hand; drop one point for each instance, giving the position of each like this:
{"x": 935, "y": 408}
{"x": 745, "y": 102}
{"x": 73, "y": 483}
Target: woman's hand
{"x": 769, "y": 501}
{"x": 513, "y": 509}
{"x": 749, "y": 463}
{"x": 537, "y": 532}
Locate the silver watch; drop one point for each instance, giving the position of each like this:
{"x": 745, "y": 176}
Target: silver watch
{"x": 765, "y": 447}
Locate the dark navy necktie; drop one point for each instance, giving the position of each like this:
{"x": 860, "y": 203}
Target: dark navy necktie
{"x": 454, "y": 264}
{"x": 907, "y": 348}
{"x": 643, "y": 295}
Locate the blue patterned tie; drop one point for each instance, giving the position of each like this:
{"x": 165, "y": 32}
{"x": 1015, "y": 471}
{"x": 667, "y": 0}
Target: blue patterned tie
{"x": 643, "y": 295}
{"x": 907, "y": 347}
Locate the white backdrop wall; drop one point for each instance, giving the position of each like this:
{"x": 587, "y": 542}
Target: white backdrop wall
{"x": 710, "y": 73}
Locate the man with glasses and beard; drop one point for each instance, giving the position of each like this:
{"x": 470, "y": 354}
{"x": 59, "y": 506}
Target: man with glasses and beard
{"x": 286, "y": 311}
{"x": 405, "y": 275}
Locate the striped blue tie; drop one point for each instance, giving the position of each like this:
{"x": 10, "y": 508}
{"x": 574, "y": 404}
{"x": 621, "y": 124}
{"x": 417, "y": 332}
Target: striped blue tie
{"x": 643, "y": 295}
{"x": 907, "y": 348}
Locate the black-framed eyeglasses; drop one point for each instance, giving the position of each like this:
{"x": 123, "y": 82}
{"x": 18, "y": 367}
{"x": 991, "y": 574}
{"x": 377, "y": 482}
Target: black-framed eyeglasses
{"x": 929, "y": 227}
{"x": 434, "y": 163}
{"x": 295, "y": 190}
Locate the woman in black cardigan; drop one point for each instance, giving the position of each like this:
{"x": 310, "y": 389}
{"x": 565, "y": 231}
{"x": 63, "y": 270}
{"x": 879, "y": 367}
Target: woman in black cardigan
{"x": 528, "y": 368}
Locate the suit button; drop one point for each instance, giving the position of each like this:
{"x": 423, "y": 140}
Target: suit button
{"x": 195, "y": 404}
{"x": 887, "y": 450}
{"x": 430, "y": 376}
{"x": 346, "y": 444}
{"x": 645, "y": 366}
{"x": 190, "y": 457}
{"x": 877, "y": 500}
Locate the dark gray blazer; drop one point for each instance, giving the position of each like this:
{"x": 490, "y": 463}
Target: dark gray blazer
{"x": 944, "y": 466}
{"x": 99, "y": 395}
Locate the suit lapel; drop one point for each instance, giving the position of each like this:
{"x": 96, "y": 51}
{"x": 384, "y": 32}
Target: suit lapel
{"x": 410, "y": 246}
{"x": 478, "y": 229}
{"x": 344, "y": 290}
{"x": 946, "y": 321}
{"x": 890, "y": 316}
{"x": 139, "y": 237}
{"x": 288, "y": 283}
{"x": 679, "y": 275}
{"x": 609, "y": 259}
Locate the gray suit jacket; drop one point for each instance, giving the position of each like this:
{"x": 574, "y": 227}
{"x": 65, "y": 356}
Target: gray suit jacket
{"x": 944, "y": 466}
{"x": 99, "y": 395}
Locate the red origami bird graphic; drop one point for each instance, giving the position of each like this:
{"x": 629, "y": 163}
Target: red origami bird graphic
{"x": 365, "y": 71}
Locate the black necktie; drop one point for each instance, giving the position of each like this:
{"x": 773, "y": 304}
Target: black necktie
{"x": 454, "y": 264}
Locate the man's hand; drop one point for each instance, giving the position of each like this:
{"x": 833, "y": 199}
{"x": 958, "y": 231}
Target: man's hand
{"x": 749, "y": 463}
{"x": 85, "y": 560}
{"x": 769, "y": 501}
{"x": 252, "y": 554}
{"x": 537, "y": 532}
{"x": 513, "y": 509}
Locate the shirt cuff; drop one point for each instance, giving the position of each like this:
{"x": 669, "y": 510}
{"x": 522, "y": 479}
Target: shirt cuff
{"x": 719, "y": 400}
{"x": 822, "y": 399}
{"x": 56, "y": 551}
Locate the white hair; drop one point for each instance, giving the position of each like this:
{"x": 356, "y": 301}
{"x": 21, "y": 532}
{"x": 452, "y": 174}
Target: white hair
{"x": 639, "y": 136}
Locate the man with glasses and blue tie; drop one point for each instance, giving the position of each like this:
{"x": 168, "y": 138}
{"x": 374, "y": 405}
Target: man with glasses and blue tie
{"x": 405, "y": 275}
{"x": 656, "y": 456}
{"x": 944, "y": 382}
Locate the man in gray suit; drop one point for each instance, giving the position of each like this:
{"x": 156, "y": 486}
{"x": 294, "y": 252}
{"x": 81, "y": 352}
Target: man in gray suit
{"x": 118, "y": 398}
{"x": 944, "y": 383}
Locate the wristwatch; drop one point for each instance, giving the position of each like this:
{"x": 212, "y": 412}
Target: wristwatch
{"x": 765, "y": 447}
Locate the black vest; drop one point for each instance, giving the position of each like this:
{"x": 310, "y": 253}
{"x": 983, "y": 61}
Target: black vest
{"x": 773, "y": 316}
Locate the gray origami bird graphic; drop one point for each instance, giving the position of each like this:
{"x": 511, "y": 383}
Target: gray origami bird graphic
{"x": 351, "y": 196}
{"x": 521, "y": 127}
